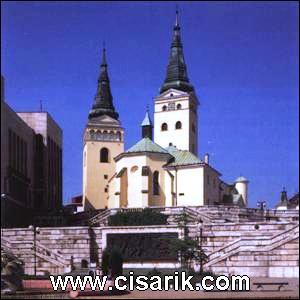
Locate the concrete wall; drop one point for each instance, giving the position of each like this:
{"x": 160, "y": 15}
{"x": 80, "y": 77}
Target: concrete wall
{"x": 15, "y": 183}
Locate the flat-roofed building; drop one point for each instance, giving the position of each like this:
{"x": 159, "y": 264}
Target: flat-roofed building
{"x": 31, "y": 165}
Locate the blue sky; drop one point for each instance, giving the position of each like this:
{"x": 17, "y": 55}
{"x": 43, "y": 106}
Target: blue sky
{"x": 242, "y": 59}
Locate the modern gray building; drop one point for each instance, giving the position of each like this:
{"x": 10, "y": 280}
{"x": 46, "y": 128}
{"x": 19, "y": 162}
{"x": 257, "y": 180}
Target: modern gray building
{"x": 31, "y": 165}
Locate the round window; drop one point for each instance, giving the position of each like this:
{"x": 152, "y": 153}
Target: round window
{"x": 134, "y": 169}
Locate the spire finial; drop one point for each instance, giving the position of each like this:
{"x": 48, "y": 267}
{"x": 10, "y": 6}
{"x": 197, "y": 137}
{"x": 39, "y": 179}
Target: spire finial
{"x": 177, "y": 16}
{"x": 104, "y": 63}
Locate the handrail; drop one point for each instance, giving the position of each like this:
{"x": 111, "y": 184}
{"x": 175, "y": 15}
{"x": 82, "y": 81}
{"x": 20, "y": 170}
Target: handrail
{"x": 247, "y": 242}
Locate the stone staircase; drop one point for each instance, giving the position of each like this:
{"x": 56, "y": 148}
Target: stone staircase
{"x": 252, "y": 244}
{"x": 101, "y": 218}
{"x": 204, "y": 214}
{"x": 26, "y": 250}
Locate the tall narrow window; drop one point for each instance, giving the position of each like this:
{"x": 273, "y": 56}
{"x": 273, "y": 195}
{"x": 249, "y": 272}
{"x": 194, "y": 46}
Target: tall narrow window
{"x": 156, "y": 183}
{"x": 164, "y": 108}
{"x": 164, "y": 127}
{"x": 104, "y": 155}
{"x": 178, "y": 106}
{"x": 178, "y": 125}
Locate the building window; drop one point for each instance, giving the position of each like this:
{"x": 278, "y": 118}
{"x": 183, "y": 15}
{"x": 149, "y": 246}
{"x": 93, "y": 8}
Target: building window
{"x": 178, "y": 106}
{"x": 193, "y": 128}
{"x": 134, "y": 169}
{"x": 105, "y": 135}
{"x": 104, "y": 155}
{"x": 92, "y": 134}
{"x": 170, "y": 144}
{"x": 106, "y": 190}
{"x": 156, "y": 183}
{"x": 119, "y": 136}
{"x": 164, "y": 127}
{"x": 171, "y": 106}
{"x": 178, "y": 125}
{"x": 164, "y": 108}
{"x": 105, "y": 176}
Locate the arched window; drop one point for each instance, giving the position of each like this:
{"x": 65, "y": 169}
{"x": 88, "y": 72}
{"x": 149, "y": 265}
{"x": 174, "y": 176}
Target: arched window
{"x": 178, "y": 106}
{"x": 104, "y": 153}
{"x": 98, "y": 135}
{"x": 164, "y": 127}
{"x": 164, "y": 108}
{"x": 134, "y": 169}
{"x": 156, "y": 183}
{"x": 92, "y": 134}
{"x": 111, "y": 136}
{"x": 119, "y": 136}
{"x": 105, "y": 135}
{"x": 178, "y": 125}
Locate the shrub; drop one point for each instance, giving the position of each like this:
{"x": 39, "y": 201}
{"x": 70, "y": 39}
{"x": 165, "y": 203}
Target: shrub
{"x": 144, "y": 217}
{"x": 112, "y": 262}
{"x": 116, "y": 263}
{"x": 105, "y": 262}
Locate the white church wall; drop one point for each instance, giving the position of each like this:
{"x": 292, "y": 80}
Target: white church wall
{"x": 190, "y": 187}
{"x": 169, "y": 188}
{"x": 211, "y": 184}
{"x": 178, "y": 137}
{"x": 134, "y": 166}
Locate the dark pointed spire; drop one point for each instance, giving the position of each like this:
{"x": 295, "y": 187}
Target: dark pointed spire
{"x": 283, "y": 197}
{"x": 103, "y": 101}
{"x": 176, "y": 71}
{"x": 147, "y": 126}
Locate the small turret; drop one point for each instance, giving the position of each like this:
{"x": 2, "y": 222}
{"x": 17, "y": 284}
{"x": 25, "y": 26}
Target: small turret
{"x": 241, "y": 185}
{"x": 147, "y": 126}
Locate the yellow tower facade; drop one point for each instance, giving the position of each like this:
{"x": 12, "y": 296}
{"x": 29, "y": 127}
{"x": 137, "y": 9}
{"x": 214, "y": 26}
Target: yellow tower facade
{"x": 103, "y": 140}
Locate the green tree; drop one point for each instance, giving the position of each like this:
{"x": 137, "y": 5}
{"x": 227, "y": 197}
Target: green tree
{"x": 105, "y": 261}
{"x": 189, "y": 250}
{"x": 116, "y": 263}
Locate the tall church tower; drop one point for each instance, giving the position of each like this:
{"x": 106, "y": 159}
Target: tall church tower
{"x": 175, "y": 109}
{"x": 103, "y": 140}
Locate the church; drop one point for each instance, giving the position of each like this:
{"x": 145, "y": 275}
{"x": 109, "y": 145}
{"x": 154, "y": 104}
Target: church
{"x": 161, "y": 169}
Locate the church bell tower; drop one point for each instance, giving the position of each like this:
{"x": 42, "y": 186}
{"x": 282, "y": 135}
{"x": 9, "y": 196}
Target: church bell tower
{"x": 175, "y": 108}
{"x": 103, "y": 140}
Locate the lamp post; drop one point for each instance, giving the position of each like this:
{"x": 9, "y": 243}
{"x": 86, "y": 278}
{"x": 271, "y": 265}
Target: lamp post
{"x": 35, "y": 231}
{"x": 3, "y": 200}
{"x": 199, "y": 239}
{"x": 261, "y": 205}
